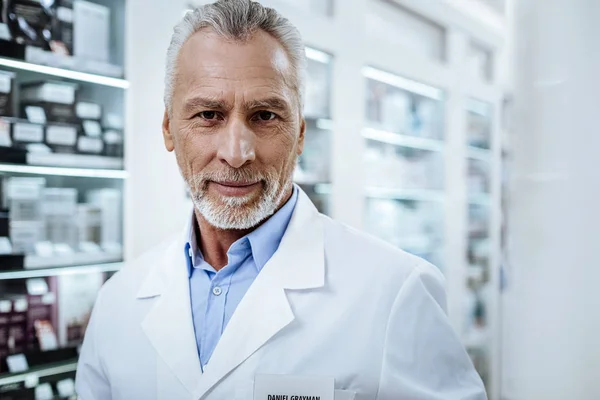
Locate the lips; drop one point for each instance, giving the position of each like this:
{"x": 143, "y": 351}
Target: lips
{"x": 234, "y": 188}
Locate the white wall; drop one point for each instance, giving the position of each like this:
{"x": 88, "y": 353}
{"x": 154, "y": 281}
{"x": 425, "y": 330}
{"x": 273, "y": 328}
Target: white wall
{"x": 552, "y": 321}
{"x": 155, "y": 198}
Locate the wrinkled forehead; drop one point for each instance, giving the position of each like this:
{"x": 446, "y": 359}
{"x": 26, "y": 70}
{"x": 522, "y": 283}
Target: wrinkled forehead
{"x": 210, "y": 59}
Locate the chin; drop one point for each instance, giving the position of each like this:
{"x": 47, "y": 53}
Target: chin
{"x": 235, "y": 212}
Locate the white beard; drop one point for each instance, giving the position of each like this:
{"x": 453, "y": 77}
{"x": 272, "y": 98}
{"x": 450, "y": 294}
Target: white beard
{"x": 238, "y": 212}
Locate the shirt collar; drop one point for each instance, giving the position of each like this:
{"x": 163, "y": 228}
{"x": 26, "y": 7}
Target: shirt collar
{"x": 264, "y": 240}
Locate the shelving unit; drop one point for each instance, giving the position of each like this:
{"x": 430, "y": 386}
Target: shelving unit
{"x": 443, "y": 54}
{"x": 62, "y": 190}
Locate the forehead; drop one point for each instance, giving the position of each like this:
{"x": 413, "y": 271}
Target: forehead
{"x": 207, "y": 60}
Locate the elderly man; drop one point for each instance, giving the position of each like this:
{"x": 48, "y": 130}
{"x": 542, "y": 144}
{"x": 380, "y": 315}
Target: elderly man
{"x": 261, "y": 297}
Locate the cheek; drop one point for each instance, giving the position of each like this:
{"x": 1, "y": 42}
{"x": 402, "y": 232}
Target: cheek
{"x": 193, "y": 152}
{"x": 278, "y": 150}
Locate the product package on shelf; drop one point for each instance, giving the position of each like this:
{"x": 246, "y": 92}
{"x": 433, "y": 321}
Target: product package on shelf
{"x": 109, "y": 202}
{"x": 23, "y": 197}
{"x": 113, "y": 135}
{"x": 91, "y": 30}
{"x": 62, "y": 27}
{"x": 76, "y": 297}
{"x": 6, "y": 93}
{"x": 52, "y": 101}
{"x": 62, "y": 138}
{"x": 29, "y": 22}
{"x": 60, "y": 217}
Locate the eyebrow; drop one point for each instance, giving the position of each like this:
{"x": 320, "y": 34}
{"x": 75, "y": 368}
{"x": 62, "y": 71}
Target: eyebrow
{"x": 273, "y": 103}
{"x": 208, "y": 103}
{"x": 195, "y": 103}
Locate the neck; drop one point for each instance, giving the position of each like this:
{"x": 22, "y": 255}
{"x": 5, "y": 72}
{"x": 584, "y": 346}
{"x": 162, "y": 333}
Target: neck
{"x": 214, "y": 242}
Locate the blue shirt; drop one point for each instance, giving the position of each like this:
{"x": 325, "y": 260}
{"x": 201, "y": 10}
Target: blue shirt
{"x": 214, "y": 295}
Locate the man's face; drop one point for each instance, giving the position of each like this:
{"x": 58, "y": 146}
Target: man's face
{"x": 235, "y": 126}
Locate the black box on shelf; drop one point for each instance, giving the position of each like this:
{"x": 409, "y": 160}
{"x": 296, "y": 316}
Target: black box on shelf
{"x": 6, "y": 93}
{"x": 13, "y": 155}
{"x": 12, "y": 49}
{"x": 12, "y": 262}
{"x": 17, "y": 324}
{"x": 56, "y": 99}
{"x": 4, "y": 221}
{"x": 28, "y": 22}
{"x": 61, "y": 138}
{"x": 114, "y": 143}
{"x": 62, "y": 27}
{"x": 53, "y": 112}
{"x": 5, "y": 310}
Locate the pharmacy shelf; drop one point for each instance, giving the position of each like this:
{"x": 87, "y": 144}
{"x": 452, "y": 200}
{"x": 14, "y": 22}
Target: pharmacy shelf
{"x": 397, "y": 139}
{"x": 68, "y": 168}
{"x": 31, "y": 376}
{"x": 403, "y": 83}
{"x": 36, "y": 262}
{"x": 405, "y": 194}
{"x": 56, "y": 271}
{"x": 477, "y": 153}
{"x": 64, "y": 73}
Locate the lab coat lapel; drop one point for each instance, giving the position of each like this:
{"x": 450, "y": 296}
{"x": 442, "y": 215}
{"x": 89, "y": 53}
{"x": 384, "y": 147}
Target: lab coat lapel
{"x": 298, "y": 263}
{"x": 169, "y": 325}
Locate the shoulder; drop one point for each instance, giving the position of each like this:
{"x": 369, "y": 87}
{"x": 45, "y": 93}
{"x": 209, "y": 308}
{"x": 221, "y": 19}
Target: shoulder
{"x": 359, "y": 254}
{"x": 124, "y": 285}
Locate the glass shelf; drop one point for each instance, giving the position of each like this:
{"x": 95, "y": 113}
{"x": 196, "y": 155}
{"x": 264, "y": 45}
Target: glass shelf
{"x": 38, "y": 372}
{"x": 60, "y": 171}
{"x": 58, "y": 270}
{"x": 397, "y": 139}
{"x": 77, "y": 76}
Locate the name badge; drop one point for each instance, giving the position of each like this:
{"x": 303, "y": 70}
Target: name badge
{"x": 293, "y": 387}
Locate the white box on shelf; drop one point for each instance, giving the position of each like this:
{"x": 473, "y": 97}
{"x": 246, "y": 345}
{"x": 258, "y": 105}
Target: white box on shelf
{"x": 91, "y": 27}
{"x": 109, "y": 202}
{"x": 51, "y": 92}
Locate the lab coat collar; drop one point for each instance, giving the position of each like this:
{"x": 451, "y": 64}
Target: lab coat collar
{"x": 298, "y": 263}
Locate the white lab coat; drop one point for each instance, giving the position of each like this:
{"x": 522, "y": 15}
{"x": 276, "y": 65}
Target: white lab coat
{"x": 331, "y": 302}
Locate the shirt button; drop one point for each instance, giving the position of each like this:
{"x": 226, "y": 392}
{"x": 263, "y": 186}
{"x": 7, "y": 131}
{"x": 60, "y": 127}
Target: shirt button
{"x": 217, "y": 291}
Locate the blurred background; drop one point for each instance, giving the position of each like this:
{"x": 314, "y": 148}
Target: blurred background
{"x": 463, "y": 131}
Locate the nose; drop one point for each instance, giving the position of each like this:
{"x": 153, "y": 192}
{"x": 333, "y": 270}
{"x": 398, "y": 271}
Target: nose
{"x": 236, "y": 144}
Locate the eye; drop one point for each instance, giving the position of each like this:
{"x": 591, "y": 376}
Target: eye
{"x": 265, "y": 116}
{"x": 209, "y": 115}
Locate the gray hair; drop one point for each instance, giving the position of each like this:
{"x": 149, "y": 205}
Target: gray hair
{"x": 237, "y": 20}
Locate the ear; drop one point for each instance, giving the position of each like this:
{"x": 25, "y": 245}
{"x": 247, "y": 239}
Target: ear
{"x": 167, "y": 136}
{"x": 301, "y": 137}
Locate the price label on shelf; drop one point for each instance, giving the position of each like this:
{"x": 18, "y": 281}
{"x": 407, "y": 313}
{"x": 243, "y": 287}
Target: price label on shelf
{"x": 31, "y": 381}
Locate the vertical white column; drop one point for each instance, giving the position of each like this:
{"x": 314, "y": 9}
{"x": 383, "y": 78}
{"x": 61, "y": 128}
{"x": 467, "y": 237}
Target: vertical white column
{"x": 552, "y": 315}
{"x": 455, "y": 211}
{"x": 348, "y": 112}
